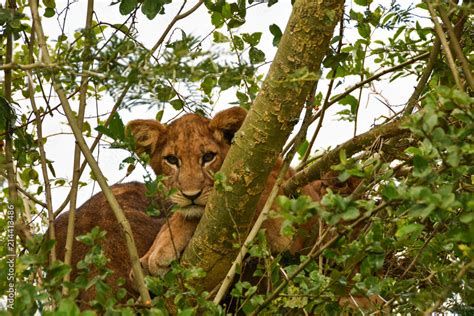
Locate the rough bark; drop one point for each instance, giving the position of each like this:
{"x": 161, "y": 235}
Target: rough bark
{"x": 261, "y": 138}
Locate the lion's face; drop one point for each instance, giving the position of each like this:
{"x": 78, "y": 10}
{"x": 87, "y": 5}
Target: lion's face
{"x": 188, "y": 152}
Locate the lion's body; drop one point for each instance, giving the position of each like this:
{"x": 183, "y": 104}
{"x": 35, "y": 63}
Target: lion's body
{"x": 97, "y": 212}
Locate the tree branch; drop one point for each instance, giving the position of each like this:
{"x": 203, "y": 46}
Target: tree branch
{"x": 261, "y": 137}
{"x": 266, "y": 209}
{"x": 351, "y": 147}
{"x": 31, "y": 66}
{"x": 122, "y": 220}
{"x": 96, "y": 142}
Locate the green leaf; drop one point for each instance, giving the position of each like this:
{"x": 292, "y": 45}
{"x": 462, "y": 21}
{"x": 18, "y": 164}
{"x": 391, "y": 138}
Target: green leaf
{"x": 453, "y": 156}
{"x": 238, "y": 42}
{"x": 398, "y": 32}
{"x": 159, "y": 115}
{"x": 351, "y": 214}
{"x": 420, "y": 164}
{"x": 218, "y": 37}
{"x": 252, "y": 39}
{"x": 116, "y": 129}
{"x": 217, "y": 19}
{"x": 256, "y": 55}
{"x": 302, "y": 148}
{"x": 364, "y": 30}
{"x": 152, "y": 7}
{"x": 243, "y": 98}
{"x": 51, "y": 4}
{"x": 352, "y": 101}
{"x": 409, "y": 229}
{"x": 430, "y": 120}
{"x": 164, "y": 92}
{"x": 390, "y": 191}
{"x": 127, "y": 6}
{"x": 276, "y": 32}
{"x": 177, "y": 104}
{"x": 49, "y": 13}
{"x": 226, "y": 11}
{"x": 67, "y": 306}
{"x": 467, "y": 218}
{"x": 422, "y": 210}
{"x": 208, "y": 84}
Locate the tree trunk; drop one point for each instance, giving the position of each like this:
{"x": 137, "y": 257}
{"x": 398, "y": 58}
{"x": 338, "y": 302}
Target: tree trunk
{"x": 259, "y": 142}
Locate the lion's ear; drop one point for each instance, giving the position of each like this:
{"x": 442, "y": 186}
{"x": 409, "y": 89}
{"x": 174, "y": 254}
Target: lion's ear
{"x": 228, "y": 122}
{"x": 146, "y": 133}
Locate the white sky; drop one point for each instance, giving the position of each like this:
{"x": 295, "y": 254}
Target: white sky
{"x": 60, "y": 148}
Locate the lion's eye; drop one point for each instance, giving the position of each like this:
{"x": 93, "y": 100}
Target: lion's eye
{"x": 172, "y": 160}
{"x": 208, "y": 157}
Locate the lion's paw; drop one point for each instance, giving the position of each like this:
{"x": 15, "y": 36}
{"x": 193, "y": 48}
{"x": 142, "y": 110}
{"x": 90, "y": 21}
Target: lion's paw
{"x": 160, "y": 260}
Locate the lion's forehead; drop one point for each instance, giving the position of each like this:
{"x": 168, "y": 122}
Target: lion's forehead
{"x": 190, "y": 136}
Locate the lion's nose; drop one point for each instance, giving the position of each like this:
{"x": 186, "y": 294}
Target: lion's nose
{"x": 191, "y": 195}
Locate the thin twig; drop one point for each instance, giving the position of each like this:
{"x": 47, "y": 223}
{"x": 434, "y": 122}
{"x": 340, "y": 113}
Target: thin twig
{"x": 465, "y": 66}
{"x": 424, "y": 78}
{"x": 30, "y": 196}
{"x": 77, "y": 151}
{"x": 449, "y": 57}
{"x": 178, "y": 17}
{"x": 44, "y": 168}
{"x": 326, "y": 99}
{"x": 117, "y": 104}
{"x": 377, "y": 76}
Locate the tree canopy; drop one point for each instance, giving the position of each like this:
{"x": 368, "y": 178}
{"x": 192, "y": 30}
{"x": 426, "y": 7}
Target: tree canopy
{"x": 395, "y": 222}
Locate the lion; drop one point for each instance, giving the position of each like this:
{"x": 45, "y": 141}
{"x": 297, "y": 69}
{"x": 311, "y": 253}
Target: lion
{"x": 188, "y": 152}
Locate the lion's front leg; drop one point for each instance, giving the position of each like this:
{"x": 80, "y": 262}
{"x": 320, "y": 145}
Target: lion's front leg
{"x": 169, "y": 244}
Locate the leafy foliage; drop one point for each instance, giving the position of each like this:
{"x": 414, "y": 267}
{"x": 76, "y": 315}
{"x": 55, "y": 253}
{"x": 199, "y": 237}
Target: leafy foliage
{"x": 402, "y": 235}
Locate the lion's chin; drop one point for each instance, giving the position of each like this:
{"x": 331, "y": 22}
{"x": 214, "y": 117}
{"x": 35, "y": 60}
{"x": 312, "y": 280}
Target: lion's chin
{"x": 191, "y": 211}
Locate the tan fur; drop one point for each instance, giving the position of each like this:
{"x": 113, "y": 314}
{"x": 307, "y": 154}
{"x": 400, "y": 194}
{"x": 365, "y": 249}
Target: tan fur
{"x": 97, "y": 212}
{"x": 188, "y": 139}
